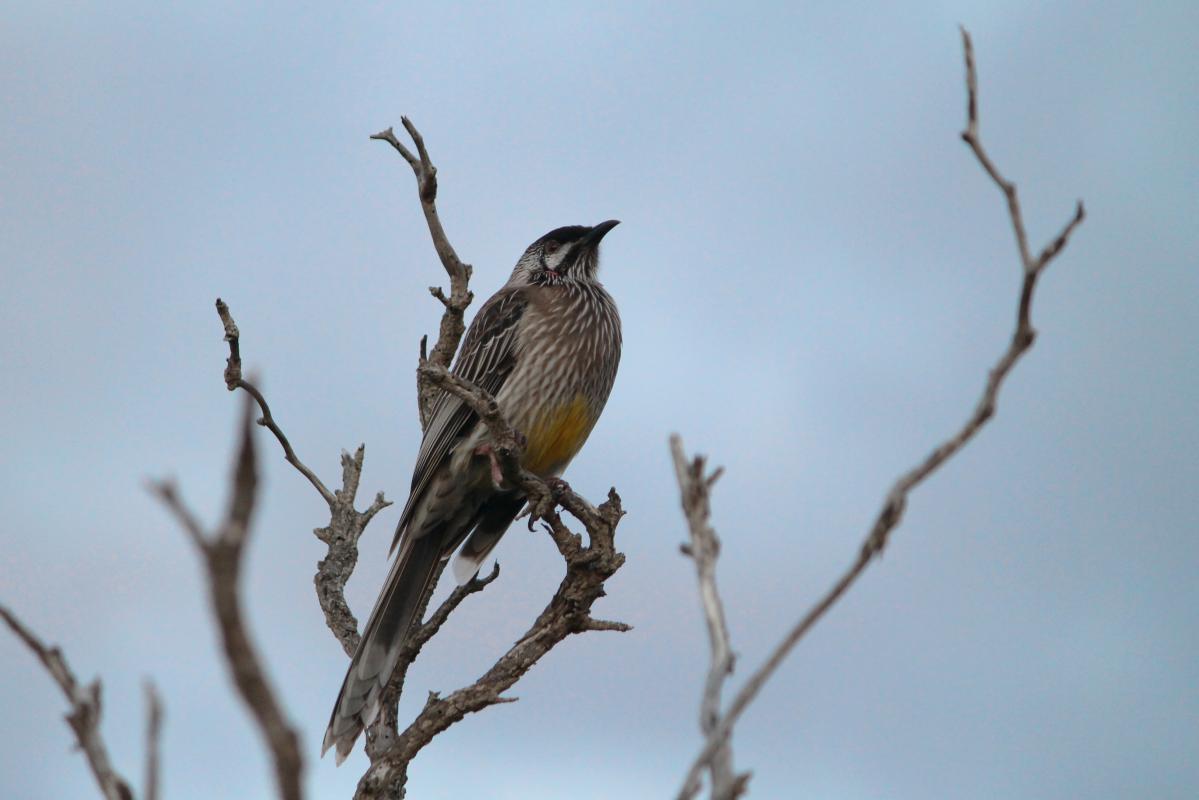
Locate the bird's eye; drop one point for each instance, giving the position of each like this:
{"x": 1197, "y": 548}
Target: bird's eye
{"x": 551, "y": 247}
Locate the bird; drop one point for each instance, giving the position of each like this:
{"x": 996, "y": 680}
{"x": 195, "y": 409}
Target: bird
{"x": 547, "y": 347}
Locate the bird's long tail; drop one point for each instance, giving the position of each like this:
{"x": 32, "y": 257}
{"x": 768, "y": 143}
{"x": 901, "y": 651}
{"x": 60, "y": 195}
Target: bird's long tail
{"x": 370, "y": 669}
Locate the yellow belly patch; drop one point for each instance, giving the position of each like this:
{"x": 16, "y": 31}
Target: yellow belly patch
{"x": 557, "y": 435}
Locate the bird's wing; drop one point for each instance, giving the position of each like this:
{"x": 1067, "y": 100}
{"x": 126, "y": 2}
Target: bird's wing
{"x": 487, "y": 357}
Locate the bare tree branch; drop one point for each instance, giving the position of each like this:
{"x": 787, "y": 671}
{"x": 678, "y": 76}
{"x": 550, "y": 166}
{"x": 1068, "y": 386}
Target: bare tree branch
{"x": 382, "y": 736}
{"x": 233, "y": 381}
{"x": 704, "y": 549}
{"x": 153, "y": 735}
{"x": 383, "y": 733}
{"x": 222, "y": 553}
{"x": 896, "y": 499}
{"x": 568, "y": 612}
{"x": 84, "y": 718}
{"x": 346, "y": 523}
{"x": 452, "y": 324}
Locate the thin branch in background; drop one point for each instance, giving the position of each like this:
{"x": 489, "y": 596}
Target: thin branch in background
{"x": 896, "y": 499}
{"x": 222, "y": 554}
{"x": 153, "y": 736}
{"x": 84, "y": 717}
{"x": 704, "y": 548}
{"x": 452, "y": 323}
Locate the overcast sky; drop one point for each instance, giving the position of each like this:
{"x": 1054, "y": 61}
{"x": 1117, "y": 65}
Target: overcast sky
{"x": 814, "y": 275}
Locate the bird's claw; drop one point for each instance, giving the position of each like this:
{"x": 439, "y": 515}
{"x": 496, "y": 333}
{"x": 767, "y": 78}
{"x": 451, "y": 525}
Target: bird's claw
{"x": 544, "y": 504}
{"x": 558, "y": 487}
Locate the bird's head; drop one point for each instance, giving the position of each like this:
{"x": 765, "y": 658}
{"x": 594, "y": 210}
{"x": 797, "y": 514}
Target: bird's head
{"x": 563, "y": 254}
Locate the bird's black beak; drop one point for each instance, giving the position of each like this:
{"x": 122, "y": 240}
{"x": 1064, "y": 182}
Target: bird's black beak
{"x": 592, "y": 239}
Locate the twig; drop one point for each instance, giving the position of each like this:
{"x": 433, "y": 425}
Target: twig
{"x": 704, "y": 549}
{"x": 425, "y": 631}
{"x": 503, "y": 435}
{"x": 452, "y": 324}
{"x": 506, "y": 444}
{"x": 222, "y": 554}
{"x": 84, "y": 718}
{"x": 153, "y": 735}
{"x": 896, "y": 499}
{"x": 346, "y": 524}
{"x": 341, "y": 535}
{"x": 234, "y": 380}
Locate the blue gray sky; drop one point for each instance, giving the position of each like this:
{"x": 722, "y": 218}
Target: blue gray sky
{"x": 814, "y": 275}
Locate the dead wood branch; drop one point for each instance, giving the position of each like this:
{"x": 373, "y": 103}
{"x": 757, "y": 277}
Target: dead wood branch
{"x": 452, "y": 323}
{"x": 704, "y": 548}
{"x": 568, "y": 611}
{"x": 889, "y": 516}
{"x": 346, "y": 523}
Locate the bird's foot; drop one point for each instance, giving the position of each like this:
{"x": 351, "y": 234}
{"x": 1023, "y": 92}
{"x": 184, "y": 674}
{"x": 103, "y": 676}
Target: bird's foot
{"x": 497, "y": 472}
{"x": 545, "y": 503}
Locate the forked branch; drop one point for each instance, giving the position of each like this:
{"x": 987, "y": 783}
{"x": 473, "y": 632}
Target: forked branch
{"x": 568, "y": 612}
{"x": 695, "y": 485}
{"x": 895, "y": 501}
{"x": 346, "y": 523}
